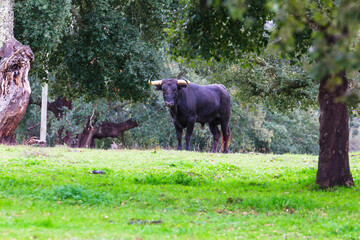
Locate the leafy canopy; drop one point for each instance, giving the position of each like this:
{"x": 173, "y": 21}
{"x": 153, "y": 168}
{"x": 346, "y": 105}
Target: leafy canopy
{"x": 102, "y": 48}
{"x": 206, "y": 29}
{"x": 319, "y": 37}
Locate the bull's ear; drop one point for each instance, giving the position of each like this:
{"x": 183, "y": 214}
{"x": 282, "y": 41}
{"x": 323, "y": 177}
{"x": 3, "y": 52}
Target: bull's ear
{"x": 181, "y": 86}
{"x": 158, "y": 87}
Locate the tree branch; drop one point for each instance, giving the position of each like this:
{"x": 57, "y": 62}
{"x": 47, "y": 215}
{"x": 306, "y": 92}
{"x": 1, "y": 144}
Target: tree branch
{"x": 183, "y": 72}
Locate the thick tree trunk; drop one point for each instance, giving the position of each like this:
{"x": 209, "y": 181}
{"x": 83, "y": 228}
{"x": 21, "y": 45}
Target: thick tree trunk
{"x": 333, "y": 167}
{"x": 14, "y": 68}
{"x": 84, "y": 139}
{"x": 14, "y": 87}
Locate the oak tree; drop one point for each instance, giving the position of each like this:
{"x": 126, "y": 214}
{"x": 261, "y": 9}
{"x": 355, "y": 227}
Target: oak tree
{"x": 325, "y": 31}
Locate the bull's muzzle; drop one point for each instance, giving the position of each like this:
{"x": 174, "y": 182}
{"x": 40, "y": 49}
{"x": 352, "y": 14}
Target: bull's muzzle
{"x": 169, "y": 104}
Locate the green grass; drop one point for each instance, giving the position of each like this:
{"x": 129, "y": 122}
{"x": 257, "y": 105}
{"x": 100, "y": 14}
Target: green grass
{"x": 50, "y": 193}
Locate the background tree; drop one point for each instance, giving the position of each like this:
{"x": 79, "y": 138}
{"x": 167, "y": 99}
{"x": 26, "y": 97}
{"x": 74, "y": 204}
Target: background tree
{"x": 327, "y": 28}
{"x": 88, "y": 51}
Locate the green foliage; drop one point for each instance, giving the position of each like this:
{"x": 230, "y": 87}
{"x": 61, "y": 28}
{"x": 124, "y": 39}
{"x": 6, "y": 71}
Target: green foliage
{"x": 103, "y": 49}
{"x": 206, "y": 30}
{"x": 41, "y": 24}
{"x": 296, "y": 132}
{"x": 107, "y": 49}
{"x": 267, "y": 79}
{"x": 334, "y": 28}
{"x": 322, "y": 33}
{"x": 149, "y": 17}
{"x": 50, "y": 193}
{"x": 247, "y": 127}
{"x": 105, "y": 55}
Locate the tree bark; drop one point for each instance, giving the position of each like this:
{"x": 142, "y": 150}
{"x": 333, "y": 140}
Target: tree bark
{"x": 333, "y": 166}
{"x": 14, "y": 68}
{"x": 6, "y": 21}
{"x": 57, "y": 107}
{"x": 14, "y": 87}
{"x": 106, "y": 129}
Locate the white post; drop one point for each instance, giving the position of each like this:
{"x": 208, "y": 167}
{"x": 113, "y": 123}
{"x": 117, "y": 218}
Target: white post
{"x": 43, "y": 113}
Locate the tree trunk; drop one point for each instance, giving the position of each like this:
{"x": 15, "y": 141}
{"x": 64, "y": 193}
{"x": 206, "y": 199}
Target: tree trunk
{"x": 333, "y": 166}
{"x": 87, "y": 138}
{"x": 106, "y": 129}
{"x": 6, "y": 21}
{"x": 14, "y": 68}
{"x": 14, "y": 87}
{"x": 84, "y": 139}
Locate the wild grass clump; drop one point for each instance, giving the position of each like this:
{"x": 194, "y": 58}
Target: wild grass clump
{"x": 77, "y": 194}
{"x": 176, "y": 177}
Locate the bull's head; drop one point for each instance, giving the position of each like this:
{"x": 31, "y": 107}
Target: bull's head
{"x": 170, "y": 88}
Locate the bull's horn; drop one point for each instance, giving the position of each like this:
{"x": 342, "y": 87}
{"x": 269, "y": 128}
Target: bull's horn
{"x": 158, "y": 82}
{"x": 183, "y": 81}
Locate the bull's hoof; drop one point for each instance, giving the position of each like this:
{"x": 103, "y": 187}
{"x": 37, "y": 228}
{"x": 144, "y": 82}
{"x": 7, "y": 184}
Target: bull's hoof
{"x": 226, "y": 151}
{"x": 179, "y": 149}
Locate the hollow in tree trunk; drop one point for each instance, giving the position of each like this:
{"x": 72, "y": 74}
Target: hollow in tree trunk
{"x": 333, "y": 166}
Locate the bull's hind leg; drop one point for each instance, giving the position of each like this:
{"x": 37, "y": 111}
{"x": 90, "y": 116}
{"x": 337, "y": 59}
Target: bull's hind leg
{"x": 216, "y": 134}
{"x": 225, "y": 134}
{"x": 225, "y": 111}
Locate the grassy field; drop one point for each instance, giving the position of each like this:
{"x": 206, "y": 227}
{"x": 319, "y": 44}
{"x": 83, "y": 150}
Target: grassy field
{"x": 50, "y": 193}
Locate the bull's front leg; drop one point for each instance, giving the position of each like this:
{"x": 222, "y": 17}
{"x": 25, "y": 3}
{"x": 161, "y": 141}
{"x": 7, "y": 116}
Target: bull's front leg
{"x": 179, "y": 132}
{"x": 189, "y": 131}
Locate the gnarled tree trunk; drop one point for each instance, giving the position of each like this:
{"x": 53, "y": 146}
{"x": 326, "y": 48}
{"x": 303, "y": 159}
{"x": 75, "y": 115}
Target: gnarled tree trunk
{"x": 333, "y": 166}
{"x": 93, "y": 131}
{"x": 14, "y": 87}
{"x": 106, "y": 129}
{"x": 14, "y": 68}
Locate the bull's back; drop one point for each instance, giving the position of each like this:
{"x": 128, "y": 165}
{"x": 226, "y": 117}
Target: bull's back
{"x": 206, "y": 101}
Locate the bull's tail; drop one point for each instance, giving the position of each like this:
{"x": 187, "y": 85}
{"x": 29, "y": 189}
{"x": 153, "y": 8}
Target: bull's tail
{"x": 222, "y": 141}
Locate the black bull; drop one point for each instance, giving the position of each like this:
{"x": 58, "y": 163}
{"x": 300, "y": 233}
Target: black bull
{"x": 191, "y": 103}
